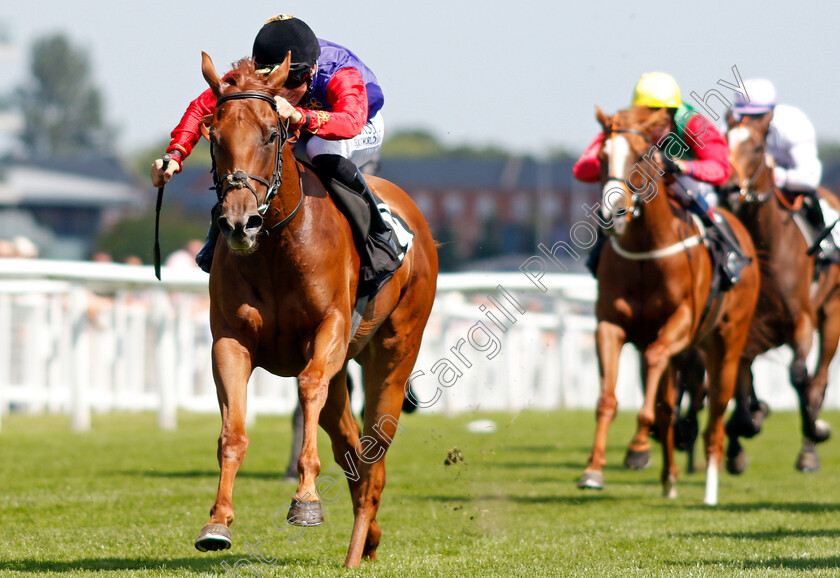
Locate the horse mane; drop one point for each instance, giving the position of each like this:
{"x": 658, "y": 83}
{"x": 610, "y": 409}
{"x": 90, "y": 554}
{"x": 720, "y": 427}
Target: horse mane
{"x": 244, "y": 76}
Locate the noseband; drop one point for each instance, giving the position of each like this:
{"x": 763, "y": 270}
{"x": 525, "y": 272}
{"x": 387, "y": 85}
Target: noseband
{"x": 633, "y": 209}
{"x": 747, "y": 190}
{"x": 240, "y": 179}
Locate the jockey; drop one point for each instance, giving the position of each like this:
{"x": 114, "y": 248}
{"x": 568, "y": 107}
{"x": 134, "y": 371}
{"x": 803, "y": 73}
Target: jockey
{"x": 791, "y": 149}
{"x": 332, "y": 98}
{"x": 703, "y": 166}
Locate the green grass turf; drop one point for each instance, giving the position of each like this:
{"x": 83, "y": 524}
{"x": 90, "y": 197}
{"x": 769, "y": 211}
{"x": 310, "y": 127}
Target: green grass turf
{"x": 127, "y": 499}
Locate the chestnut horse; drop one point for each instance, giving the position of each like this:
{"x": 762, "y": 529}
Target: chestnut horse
{"x": 282, "y": 292}
{"x": 790, "y": 306}
{"x": 654, "y": 280}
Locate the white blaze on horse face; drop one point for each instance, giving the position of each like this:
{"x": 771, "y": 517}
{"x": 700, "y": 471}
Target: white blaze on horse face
{"x": 737, "y": 135}
{"x": 614, "y": 195}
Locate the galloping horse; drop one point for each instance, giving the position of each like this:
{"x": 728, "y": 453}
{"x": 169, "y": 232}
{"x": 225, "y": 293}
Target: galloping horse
{"x": 654, "y": 280}
{"x": 789, "y": 307}
{"x": 282, "y": 293}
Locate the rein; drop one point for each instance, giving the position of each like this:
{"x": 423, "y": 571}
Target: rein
{"x": 241, "y": 180}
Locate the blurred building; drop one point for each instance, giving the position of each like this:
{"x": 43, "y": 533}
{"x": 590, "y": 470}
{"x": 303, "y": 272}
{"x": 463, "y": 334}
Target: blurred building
{"x": 487, "y": 213}
{"x": 61, "y": 205}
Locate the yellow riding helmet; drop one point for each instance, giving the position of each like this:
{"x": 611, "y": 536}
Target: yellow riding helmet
{"x": 657, "y": 90}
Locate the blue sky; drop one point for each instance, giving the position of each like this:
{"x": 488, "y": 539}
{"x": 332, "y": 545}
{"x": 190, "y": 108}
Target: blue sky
{"x": 524, "y": 75}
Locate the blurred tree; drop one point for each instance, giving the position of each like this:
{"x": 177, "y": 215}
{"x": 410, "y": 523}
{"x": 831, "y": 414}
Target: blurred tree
{"x": 134, "y": 235}
{"x": 62, "y": 109}
{"x": 142, "y": 160}
{"x": 412, "y": 143}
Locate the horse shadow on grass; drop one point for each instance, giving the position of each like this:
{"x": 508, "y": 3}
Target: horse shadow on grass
{"x": 578, "y": 499}
{"x": 197, "y": 565}
{"x": 768, "y": 535}
{"x": 784, "y": 563}
{"x": 193, "y": 474}
{"x": 795, "y": 507}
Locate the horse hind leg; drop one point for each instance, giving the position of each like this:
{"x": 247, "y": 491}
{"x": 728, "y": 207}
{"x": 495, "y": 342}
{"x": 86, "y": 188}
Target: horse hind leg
{"x": 742, "y": 422}
{"x": 637, "y": 456}
{"x": 664, "y": 422}
{"x": 231, "y": 370}
{"x": 692, "y": 381}
{"x": 723, "y": 365}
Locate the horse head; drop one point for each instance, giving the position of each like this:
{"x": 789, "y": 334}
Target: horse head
{"x": 627, "y": 181}
{"x": 247, "y": 138}
{"x": 750, "y": 172}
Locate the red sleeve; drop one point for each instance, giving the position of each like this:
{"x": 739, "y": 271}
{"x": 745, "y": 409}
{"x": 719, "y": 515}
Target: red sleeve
{"x": 588, "y": 167}
{"x": 712, "y": 161}
{"x": 347, "y": 96}
{"x": 187, "y": 133}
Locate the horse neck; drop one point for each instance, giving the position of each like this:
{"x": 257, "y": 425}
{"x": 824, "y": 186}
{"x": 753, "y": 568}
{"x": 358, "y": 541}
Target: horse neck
{"x": 655, "y": 227}
{"x": 289, "y": 195}
{"x": 766, "y": 220}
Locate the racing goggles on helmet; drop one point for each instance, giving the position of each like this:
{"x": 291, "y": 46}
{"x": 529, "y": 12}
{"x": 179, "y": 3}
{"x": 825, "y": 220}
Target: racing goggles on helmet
{"x": 298, "y": 74}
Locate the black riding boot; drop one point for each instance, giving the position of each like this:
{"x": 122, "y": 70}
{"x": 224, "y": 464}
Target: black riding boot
{"x": 734, "y": 259}
{"x": 594, "y": 256}
{"x": 375, "y": 241}
{"x": 828, "y": 250}
{"x": 204, "y": 258}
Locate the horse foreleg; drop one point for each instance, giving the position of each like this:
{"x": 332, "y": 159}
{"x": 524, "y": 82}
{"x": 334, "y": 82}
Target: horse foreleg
{"x": 328, "y": 351}
{"x": 610, "y": 339}
{"x": 674, "y": 336}
{"x": 638, "y": 452}
{"x": 803, "y": 336}
{"x": 231, "y": 369}
{"x": 829, "y": 329}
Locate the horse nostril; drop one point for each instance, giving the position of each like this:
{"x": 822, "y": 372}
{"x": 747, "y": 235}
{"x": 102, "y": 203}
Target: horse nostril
{"x": 254, "y": 222}
{"x": 224, "y": 226}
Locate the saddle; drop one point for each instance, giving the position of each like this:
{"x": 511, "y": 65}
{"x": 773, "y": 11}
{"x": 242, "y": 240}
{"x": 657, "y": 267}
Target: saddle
{"x": 378, "y": 260}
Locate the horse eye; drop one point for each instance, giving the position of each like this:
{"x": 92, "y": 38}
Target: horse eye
{"x": 272, "y": 137}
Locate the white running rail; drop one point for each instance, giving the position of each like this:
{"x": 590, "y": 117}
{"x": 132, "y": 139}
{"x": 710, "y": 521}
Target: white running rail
{"x": 83, "y": 337}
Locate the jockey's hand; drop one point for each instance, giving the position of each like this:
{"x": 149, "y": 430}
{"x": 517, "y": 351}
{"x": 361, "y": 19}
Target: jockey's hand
{"x": 159, "y": 176}
{"x": 287, "y": 111}
{"x": 771, "y": 162}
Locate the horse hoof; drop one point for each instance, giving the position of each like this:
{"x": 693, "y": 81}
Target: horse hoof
{"x": 822, "y": 431}
{"x": 737, "y": 464}
{"x": 305, "y": 513}
{"x": 669, "y": 488}
{"x": 808, "y": 462}
{"x": 637, "y": 460}
{"x": 591, "y": 481}
{"x": 213, "y": 537}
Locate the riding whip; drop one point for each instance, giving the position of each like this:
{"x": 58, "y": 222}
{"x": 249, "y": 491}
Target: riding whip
{"x": 166, "y": 158}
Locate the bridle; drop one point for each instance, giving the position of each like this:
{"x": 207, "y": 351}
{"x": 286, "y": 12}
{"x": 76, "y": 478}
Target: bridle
{"x": 747, "y": 187}
{"x": 633, "y": 207}
{"x": 241, "y": 180}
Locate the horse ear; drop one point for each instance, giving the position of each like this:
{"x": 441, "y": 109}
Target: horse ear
{"x": 730, "y": 120}
{"x": 211, "y": 76}
{"x": 763, "y": 123}
{"x": 658, "y": 119}
{"x": 278, "y": 76}
{"x": 602, "y": 118}
{"x": 204, "y": 126}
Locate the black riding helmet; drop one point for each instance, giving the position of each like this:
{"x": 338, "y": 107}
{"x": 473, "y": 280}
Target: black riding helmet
{"x": 280, "y": 35}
